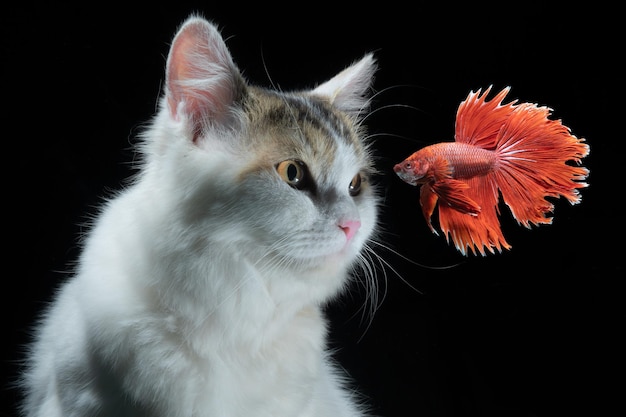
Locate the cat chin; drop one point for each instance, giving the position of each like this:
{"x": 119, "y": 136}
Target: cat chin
{"x": 335, "y": 261}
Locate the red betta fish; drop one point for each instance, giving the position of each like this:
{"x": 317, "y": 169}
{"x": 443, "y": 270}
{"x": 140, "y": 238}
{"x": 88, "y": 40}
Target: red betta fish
{"x": 510, "y": 149}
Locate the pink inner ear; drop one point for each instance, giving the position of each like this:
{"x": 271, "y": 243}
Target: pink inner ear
{"x": 200, "y": 74}
{"x": 178, "y": 71}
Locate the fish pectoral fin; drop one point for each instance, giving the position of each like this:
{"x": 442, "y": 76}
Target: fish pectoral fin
{"x": 452, "y": 193}
{"x": 428, "y": 201}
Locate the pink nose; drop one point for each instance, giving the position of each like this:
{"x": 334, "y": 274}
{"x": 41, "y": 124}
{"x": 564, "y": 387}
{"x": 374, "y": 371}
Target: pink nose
{"x": 350, "y": 227}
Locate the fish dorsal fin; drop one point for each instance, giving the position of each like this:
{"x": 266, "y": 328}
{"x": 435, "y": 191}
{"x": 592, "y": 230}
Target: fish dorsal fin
{"x": 479, "y": 120}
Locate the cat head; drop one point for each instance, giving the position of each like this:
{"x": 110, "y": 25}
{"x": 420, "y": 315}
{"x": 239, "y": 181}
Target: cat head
{"x": 282, "y": 179}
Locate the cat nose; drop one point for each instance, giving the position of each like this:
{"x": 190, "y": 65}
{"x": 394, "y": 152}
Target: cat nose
{"x": 350, "y": 227}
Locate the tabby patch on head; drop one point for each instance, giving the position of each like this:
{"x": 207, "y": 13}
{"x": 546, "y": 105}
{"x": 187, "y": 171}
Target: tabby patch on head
{"x": 318, "y": 153}
{"x": 307, "y": 129}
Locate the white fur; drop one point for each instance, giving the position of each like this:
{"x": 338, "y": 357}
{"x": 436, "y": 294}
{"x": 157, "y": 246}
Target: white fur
{"x": 199, "y": 293}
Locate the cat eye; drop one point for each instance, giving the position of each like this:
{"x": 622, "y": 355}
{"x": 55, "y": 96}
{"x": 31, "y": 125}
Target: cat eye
{"x": 355, "y": 185}
{"x": 293, "y": 172}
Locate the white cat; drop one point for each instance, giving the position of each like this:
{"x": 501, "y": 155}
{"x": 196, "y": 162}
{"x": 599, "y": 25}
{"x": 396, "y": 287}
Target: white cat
{"x": 200, "y": 288}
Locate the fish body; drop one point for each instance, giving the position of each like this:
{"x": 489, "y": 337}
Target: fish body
{"x": 509, "y": 150}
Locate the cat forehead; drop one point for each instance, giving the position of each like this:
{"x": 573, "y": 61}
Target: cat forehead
{"x": 303, "y": 125}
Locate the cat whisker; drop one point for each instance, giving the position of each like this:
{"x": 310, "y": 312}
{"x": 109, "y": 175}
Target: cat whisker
{"x": 393, "y": 87}
{"x": 386, "y": 264}
{"x": 267, "y": 73}
{"x": 366, "y": 262}
{"x": 391, "y": 106}
{"x": 373, "y": 136}
{"x": 422, "y": 265}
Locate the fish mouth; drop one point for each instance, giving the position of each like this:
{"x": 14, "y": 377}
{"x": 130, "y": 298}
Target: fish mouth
{"x": 411, "y": 180}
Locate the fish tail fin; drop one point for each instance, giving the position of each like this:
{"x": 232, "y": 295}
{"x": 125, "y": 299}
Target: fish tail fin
{"x": 533, "y": 152}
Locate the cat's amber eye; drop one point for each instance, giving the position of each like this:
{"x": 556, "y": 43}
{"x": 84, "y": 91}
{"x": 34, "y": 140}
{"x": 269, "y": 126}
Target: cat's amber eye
{"x": 355, "y": 185}
{"x": 293, "y": 172}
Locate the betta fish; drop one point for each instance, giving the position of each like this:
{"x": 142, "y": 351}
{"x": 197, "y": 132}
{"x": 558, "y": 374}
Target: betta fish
{"x": 510, "y": 150}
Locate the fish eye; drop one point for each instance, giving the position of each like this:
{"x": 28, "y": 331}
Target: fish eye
{"x": 355, "y": 185}
{"x": 293, "y": 172}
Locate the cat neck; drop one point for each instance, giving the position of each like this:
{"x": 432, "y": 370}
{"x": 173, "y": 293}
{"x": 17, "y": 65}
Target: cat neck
{"x": 205, "y": 290}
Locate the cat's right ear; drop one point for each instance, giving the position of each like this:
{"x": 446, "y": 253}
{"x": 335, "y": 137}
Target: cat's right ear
{"x": 202, "y": 81}
{"x": 349, "y": 90}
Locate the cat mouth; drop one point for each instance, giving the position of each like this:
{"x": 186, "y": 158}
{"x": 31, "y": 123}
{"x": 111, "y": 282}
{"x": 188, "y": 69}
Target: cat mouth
{"x": 339, "y": 257}
{"x": 316, "y": 251}
{"x": 320, "y": 258}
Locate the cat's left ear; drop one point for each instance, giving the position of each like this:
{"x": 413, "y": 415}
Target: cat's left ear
{"x": 349, "y": 90}
{"x": 202, "y": 82}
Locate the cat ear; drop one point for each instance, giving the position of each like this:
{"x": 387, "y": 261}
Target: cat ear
{"x": 202, "y": 82}
{"x": 349, "y": 89}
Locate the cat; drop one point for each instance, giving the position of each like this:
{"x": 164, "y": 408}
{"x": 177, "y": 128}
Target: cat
{"x": 201, "y": 285}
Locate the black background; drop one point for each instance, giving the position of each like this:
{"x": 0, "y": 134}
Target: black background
{"x": 535, "y": 331}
